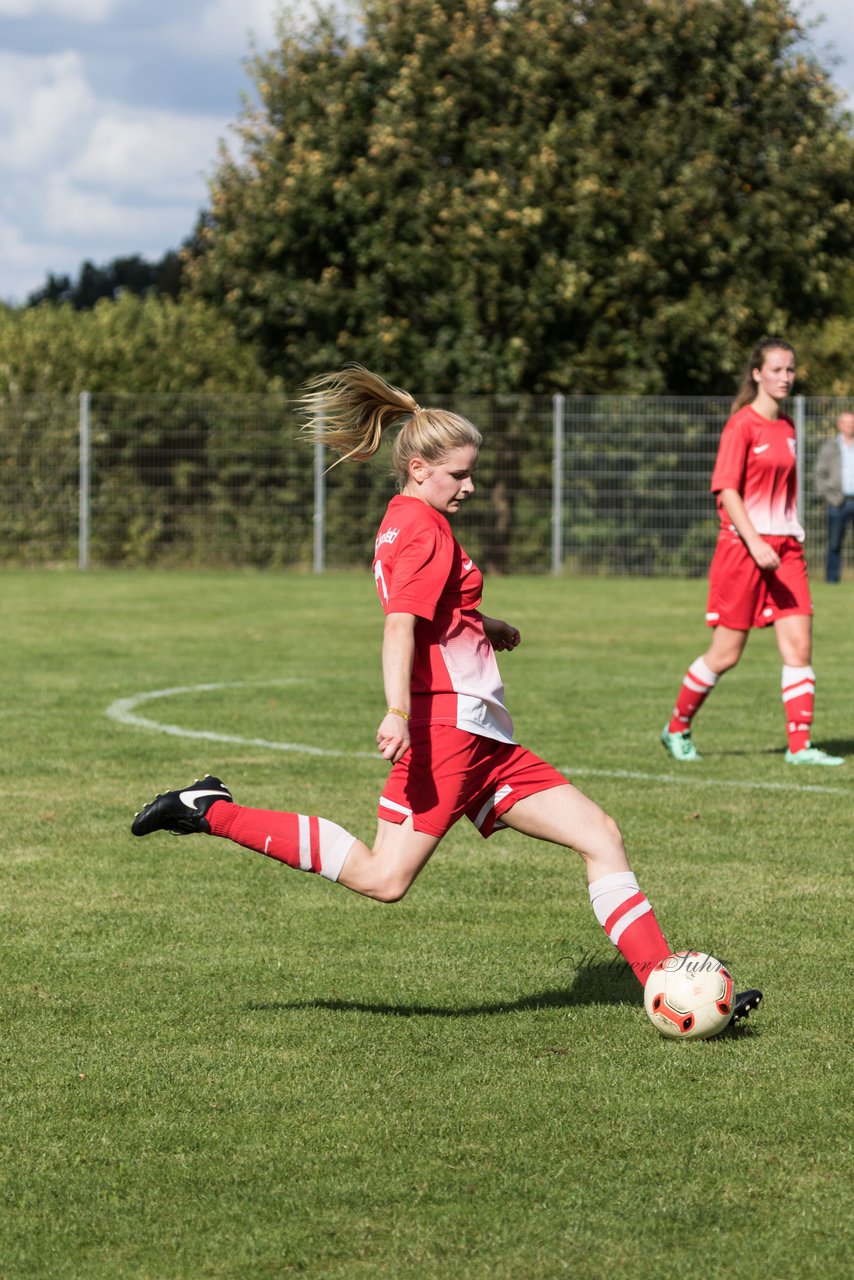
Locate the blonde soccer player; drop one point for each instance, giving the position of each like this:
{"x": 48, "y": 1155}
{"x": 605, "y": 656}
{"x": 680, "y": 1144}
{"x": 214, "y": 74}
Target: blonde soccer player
{"x": 446, "y": 732}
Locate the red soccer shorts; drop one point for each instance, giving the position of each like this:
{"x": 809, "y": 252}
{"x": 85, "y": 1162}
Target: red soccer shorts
{"x": 448, "y": 772}
{"x": 742, "y": 596}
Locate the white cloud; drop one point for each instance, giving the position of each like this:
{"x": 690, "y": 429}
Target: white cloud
{"x": 26, "y": 261}
{"x": 82, "y": 10}
{"x": 112, "y": 223}
{"x": 223, "y": 27}
{"x": 45, "y": 106}
{"x": 151, "y": 155}
{"x": 85, "y": 177}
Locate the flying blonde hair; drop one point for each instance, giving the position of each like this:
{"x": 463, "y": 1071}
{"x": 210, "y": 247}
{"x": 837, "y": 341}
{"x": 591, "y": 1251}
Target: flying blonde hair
{"x": 350, "y": 411}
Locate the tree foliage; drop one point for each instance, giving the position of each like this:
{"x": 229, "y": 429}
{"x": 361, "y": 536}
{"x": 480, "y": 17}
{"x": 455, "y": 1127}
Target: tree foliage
{"x": 580, "y": 195}
{"x": 132, "y": 344}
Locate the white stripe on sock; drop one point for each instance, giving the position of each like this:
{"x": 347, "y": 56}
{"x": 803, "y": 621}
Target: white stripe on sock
{"x": 608, "y": 892}
{"x": 304, "y": 843}
{"x": 700, "y": 671}
{"x": 629, "y": 918}
{"x": 796, "y": 690}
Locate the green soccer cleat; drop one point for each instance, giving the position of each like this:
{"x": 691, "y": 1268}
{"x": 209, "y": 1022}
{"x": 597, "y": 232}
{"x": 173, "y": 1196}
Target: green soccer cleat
{"x": 679, "y": 745}
{"x": 812, "y": 755}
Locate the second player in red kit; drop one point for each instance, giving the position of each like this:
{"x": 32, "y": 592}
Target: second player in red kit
{"x": 758, "y": 575}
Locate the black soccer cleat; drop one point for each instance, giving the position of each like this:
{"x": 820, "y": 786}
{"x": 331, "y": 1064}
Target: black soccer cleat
{"x": 182, "y": 812}
{"x": 746, "y": 1002}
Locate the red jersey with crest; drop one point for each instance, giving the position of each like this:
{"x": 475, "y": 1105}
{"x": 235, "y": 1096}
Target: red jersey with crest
{"x": 420, "y": 568}
{"x": 756, "y": 457}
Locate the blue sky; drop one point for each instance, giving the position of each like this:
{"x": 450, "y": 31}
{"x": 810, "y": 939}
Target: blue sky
{"x": 111, "y": 112}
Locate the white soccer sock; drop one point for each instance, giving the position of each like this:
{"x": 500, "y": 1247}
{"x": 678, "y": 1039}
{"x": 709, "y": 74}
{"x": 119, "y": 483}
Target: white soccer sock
{"x": 794, "y": 676}
{"x": 335, "y": 844}
{"x": 704, "y": 673}
{"x": 610, "y": 892}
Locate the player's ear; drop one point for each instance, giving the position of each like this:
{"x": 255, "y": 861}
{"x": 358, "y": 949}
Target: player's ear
{"x": 418, "y": 469}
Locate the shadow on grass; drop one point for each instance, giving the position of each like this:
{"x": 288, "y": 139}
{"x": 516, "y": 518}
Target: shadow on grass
{"x": 833, "y": 747}
{"x": 599, "y": 983}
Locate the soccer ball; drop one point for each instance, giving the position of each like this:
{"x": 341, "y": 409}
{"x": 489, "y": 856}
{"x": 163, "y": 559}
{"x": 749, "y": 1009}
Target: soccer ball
{"x": 689, "y": 996}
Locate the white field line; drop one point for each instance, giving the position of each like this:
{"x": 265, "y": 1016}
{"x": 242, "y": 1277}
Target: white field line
{"x": 123, "y": 711}
{"x": 693, "y": 780}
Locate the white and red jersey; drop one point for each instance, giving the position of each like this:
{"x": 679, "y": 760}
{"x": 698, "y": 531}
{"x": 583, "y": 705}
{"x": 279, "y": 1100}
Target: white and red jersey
{"x": 756, "y": 457}
{"x": 421, "y": 569}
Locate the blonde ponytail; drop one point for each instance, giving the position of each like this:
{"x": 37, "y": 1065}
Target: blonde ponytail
{"x": 350, "y": 411}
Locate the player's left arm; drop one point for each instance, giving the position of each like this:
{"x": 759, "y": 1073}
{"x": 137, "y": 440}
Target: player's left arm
{"x": 397, "y": 659}
{"x": 501, "y": 635}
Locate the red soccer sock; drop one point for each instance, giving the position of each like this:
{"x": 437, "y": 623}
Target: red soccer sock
{"x": 307, "y": 844}
{"x": 628, "y": 919}
{"x": 698, "y": 684}
{"x": 799, "y": 705}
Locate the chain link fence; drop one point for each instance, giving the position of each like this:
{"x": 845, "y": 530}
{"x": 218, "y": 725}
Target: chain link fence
{"x": 577, "y": 484}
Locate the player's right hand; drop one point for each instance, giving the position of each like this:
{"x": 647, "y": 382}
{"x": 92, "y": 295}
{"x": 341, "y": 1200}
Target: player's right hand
{"x": 393, "y": 737}
{"x": 764, "y": 554}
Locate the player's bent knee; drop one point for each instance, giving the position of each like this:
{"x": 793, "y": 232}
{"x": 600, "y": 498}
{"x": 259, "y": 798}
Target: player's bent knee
{"x": 611, "y": 831}
{"x": 611, "y": 827}
{"x": 390, "y": 892}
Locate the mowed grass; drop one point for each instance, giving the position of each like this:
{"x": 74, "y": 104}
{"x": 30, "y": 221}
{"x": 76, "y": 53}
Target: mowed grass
{"x": 213, "y": 1066}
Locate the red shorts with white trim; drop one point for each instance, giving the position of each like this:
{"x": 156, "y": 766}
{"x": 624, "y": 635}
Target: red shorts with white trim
{"x": 742, "y": 596}
{"x": 448, "y": 772}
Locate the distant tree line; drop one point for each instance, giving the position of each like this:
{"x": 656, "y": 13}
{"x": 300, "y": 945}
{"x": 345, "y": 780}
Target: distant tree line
{"x": 133, "y": 274}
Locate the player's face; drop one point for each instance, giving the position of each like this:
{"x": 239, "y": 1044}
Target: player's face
{"x": 777, "y": 375}
{"x": 445, "y": 485}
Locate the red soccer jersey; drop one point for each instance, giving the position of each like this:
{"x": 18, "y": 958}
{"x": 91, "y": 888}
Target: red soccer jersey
{"x": 756, "y": 456}
{"x": 420, "y": 568}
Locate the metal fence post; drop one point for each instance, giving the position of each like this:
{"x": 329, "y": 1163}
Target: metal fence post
{"x": 319, "y": 508}
{"x": 557, "y": 484}
{"x": 800, "y": 447}
{"x": 85, "y": 437}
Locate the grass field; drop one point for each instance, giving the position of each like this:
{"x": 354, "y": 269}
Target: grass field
{"x": 216, "y": 1067}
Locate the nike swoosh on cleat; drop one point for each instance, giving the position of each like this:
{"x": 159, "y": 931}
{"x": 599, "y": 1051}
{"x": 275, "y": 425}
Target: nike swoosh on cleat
{"x": 189, "y": 798}
{"x": 467, "y": 564}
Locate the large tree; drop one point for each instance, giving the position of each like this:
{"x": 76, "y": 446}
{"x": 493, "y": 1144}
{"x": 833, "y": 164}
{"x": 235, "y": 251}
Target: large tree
{"x": 576, "y": 195}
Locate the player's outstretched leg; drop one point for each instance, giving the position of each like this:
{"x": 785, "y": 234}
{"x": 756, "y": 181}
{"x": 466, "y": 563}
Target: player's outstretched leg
{"x": 207, "y": 806}
{"x": 746, "y": 1002}
{"x": 182, "y": 812}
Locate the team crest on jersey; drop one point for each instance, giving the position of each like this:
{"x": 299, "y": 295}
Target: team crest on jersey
{"x": 389, "y": 537}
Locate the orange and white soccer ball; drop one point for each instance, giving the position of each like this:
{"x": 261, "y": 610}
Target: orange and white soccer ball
{"x": 689, "y": 996}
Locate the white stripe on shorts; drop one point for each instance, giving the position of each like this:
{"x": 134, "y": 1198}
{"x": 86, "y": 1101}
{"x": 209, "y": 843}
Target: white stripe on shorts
{"x": 491, "y": 803}
{"x": 397, "y": 808}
